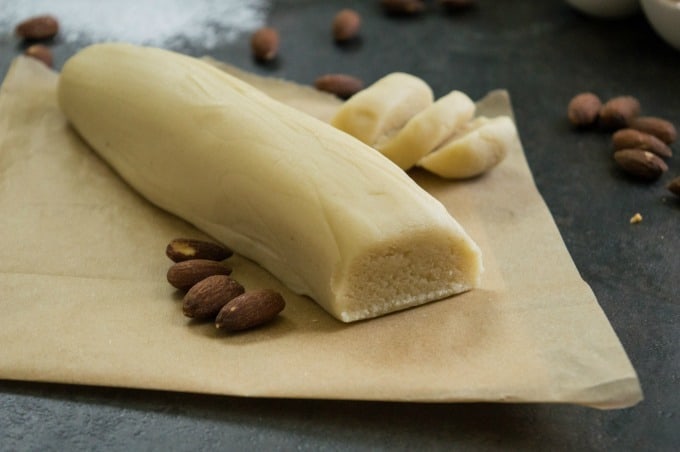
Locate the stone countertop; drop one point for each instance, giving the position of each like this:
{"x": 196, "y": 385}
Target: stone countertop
{"x": 543, "y": 53}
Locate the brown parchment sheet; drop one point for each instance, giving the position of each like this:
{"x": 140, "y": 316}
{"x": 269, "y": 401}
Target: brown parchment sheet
{"x": 84, "y": 297}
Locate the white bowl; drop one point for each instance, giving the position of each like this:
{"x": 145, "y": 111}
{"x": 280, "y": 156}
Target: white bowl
{"x": 664, "y": 16}
{"x": 609, "y": 9}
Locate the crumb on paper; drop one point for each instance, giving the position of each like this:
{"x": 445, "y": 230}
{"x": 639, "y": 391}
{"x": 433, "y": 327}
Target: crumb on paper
{"x": 637, "y": 218}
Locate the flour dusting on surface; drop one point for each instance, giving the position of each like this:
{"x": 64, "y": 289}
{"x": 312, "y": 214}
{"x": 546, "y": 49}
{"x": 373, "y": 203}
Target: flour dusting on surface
{"x": 161, "y": 23}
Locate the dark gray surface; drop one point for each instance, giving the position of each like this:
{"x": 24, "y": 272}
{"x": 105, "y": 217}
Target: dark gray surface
{"x": 543, "y": 53}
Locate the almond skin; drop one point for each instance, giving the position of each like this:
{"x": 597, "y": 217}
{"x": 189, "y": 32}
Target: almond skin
{"x": 456, "y": 5}
{"x": 641, "y": 164}
{"x": 619, "y": 112}
{"x": 584, "y": 109}
{"x": 249, "y": 310}
{"x": 205, "y": 299}
{"x": 660, "y": 128}
{"x": 183, "y": 275}
{"x": 674, "y": 186}
{"x": 264, "y": 44}
{"x": 346, "y": 25}
{"x": 402, "y": 7}
{"x": 181, "y": 249}
{"x": 40, "y": 53}
{"x": 342, "y": 85}
{"x": 635, "y": 139}
{"x": 38, "y": 27}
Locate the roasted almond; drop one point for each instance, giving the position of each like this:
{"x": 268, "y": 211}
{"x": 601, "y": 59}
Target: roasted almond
{"x": 182, "y": 249}
{"x": 674, "y": 186}
{"x": 456, "y": 5}
{"x": 635, "y": 139}
{"x": 342, "y": 85}
{"x": 205, "y": 299}
{"x": 249, "y": 310}
{"x": 40, "y": 53}
{"x": 183, "y": 275}
{"x": 346, "y": 25}
{"x": 38, "y": 27}
{"x": 619, "y": 112}
{"x": 640, "y": 164}
{"x": 402, "y": 7}
{"x": 264, "y": 44}
{"x": 660, "y": 128}
{"x": 583, "y": 109}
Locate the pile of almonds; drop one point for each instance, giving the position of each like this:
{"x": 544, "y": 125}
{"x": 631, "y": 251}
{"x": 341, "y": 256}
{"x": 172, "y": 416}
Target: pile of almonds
{"x": 38, "y": 28}
{"x": 211, "y": 293}
{"x": 641, "y": 143}
{"x": 345, "y": 28}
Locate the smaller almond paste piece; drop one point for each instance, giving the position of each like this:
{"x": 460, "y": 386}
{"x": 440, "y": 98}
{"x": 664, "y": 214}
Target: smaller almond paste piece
{"x": 384, "y": 107}
{"x": 428, "y": 129}
{"x": 482, "y": 144}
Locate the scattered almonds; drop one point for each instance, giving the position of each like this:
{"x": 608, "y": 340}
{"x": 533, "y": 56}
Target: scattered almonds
{"x": 640, "y": 142}
{"x": 205, "y": 299}
{"x": 41, "y": 53}
{"x": 342, "y": 85}
{"x": 346, "y": 25}
{"x": 214, "y": 295}
{"x": 183, "y": 275}
{"x": 265, "y": 44}
{"x": 249, "y": 310}
{"x": 38, "y": 27}
{"x": 181, "y": 249}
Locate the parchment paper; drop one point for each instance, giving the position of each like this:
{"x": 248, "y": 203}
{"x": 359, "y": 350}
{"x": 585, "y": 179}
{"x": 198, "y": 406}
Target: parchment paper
{"x": 84, "y": 297}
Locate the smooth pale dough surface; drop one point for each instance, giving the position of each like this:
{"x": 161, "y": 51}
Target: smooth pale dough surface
{"x": 472, "y": 151}
{"x": 329, "y": 216}
{"x": 85, "y": 301}
{"x": 428, "y": 129}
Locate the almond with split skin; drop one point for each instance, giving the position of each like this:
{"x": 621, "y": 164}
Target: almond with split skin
{"x": 346, "y": 25}
{"x": 249, "y": 310}
{"x": 660, "y": 128}
{"x": 264, "y": 44}
{"x": 182, "y": 249}
{"x": 205, "y": 299}
{"x": 38, "y": 27}
{"x": 619, "y": 112}
{"x": 584, "y": 109}
{"x": 641, "y": 164}
{"x": 183, "y": 275}
{"x": 635, "y": 139}
{"x": 342, "y": 85}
